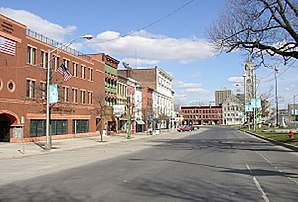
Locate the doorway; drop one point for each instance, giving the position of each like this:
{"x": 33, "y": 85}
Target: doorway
{"x": 7, "y": 119}
{"x": 4, "y": 131}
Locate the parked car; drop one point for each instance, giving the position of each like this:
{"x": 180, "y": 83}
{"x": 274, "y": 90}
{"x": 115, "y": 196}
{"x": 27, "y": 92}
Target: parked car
{"x": 185, "y": 128}
{"x": 196, "y": 127}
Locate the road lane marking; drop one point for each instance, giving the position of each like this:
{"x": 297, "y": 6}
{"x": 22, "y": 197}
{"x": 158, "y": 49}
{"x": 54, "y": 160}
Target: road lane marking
{"x": 281, "y": 171}
{"x": 258, "y": 185}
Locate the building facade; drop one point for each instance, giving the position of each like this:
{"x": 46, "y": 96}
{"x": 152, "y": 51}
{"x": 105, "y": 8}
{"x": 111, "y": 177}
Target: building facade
{"x": 122, "y": 103}
{"x": 162, "y": 96}
{"x": 147, "y": 107}
{"x": 109, "y": 121}
{"x": 23, "y": 84}
{"x": 201, "y": 115}
{"x": 221, "y": 95}
{"x": 232, "y": 111}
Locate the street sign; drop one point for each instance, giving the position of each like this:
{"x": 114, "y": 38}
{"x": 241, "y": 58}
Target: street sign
{"x": 118, "y": 110}
{"x": 248, "y": 108}
{"x": 255, "y": 103}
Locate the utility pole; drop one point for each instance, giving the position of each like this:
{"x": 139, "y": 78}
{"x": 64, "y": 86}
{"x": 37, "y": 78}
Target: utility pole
{"x": 129, "y": 118}
{"x": 276, "y": 97}
{"x": 255, "y": 97}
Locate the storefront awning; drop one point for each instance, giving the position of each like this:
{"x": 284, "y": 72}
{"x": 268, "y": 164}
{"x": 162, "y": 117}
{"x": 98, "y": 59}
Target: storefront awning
{"x": 140, "y": 122}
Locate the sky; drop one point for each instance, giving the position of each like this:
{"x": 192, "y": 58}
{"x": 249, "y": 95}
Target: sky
{"x": 169, "y": 34}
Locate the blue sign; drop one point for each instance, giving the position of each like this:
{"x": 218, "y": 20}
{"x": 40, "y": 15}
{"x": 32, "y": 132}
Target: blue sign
{"x": 248, "y": 108}
{"x": 54, "y": 95}
{"x": 255, "y": 103}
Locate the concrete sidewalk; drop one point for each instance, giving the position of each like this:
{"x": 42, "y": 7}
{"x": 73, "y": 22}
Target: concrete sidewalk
{"x": 19, "y": 150}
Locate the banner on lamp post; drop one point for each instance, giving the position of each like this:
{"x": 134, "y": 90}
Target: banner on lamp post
{"x": 54, "y": 95}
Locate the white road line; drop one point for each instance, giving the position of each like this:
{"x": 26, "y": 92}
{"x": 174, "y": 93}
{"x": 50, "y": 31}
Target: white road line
{"x": 282, "y": 172}
{"x": 258, "y": 185}
{"x": 260, "y": 189}
{"x": 248, "y": 168}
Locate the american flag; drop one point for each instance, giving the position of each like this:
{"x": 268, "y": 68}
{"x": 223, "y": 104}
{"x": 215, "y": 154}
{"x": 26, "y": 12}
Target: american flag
{"x": 64, "y": 72}
{"x": 7, "y": 46}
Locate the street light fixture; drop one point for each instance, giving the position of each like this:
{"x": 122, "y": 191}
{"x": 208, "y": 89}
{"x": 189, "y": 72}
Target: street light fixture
{"x": 48, "y": 145}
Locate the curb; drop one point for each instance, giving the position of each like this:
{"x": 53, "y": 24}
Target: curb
{"x": 292, "y": 147}
{"x": 122, "y": 139}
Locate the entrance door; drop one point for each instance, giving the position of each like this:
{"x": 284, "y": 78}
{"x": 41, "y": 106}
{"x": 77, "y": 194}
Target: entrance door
{"x": 4, "y": 131}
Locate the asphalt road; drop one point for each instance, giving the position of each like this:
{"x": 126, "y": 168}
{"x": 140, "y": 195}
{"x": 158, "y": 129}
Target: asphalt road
{"x": 218, "y": 164}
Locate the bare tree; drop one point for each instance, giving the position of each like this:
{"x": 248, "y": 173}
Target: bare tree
{"x": 265, "y": 28}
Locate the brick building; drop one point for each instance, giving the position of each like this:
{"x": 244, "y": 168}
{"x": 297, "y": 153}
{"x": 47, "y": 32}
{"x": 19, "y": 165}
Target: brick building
{"x": 147, "y": 106}
{"x": 162, "y": 95}
{"x": 109, "y": 121}
{"x": 23, "y": 83}
{"x": 201, "y": 115}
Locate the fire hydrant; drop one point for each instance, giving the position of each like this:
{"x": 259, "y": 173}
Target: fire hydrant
{"x": 291, "y": 134}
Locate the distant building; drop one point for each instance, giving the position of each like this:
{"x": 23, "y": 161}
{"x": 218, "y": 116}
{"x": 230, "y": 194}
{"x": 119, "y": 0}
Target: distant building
{"x": 241, "y": 97}
{"x": 163, "y": 99}
{"x": 201, "y": 115}
{"x": 232, "y": 111}
{"x": 293, "y": 114}
{"x": 221, "y": 95}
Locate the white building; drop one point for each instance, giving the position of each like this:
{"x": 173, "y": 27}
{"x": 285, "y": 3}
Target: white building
{"x": 163, "y": 94}
{"x": 232, "y": 111}
{"x": 163, "y": 98}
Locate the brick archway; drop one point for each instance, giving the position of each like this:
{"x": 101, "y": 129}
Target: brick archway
{"x": 7, "y": 119}
{"x": 6, "y": 115}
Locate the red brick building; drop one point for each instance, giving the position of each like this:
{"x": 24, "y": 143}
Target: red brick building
{"x": 200, "y": 115}
{"x": 147, "y": 106}
{"x": 109, "y": 121}
{"x": 23, "y": 83}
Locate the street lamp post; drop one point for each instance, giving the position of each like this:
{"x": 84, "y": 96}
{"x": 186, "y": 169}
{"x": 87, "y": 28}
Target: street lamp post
{"x": 276, "y": 98}
{"x": 48, "y": 145}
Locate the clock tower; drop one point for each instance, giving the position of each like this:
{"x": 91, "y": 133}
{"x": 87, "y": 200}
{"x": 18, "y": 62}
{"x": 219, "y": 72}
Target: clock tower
{"x": 249, "y": 82}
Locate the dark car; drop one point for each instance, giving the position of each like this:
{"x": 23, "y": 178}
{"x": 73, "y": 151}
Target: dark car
{"x": 185, "y": 128}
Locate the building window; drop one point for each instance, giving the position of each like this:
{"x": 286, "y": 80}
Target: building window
{"x": 90, "y": 95}
{"x": 74, "y": 95}
{"x": 31, "y": 55}
{"x": 56, "y": 62}
{"x": 65, "y": 94}
{"x": 58, "y": 127}
{"x": 43, "y": 59}
{"x": 11, "y": 86}
{"x": 30, "y": 88}
{"x": 37, "y": 128}
{"x": 43, "y": 90}
{"x": 1, "y": 84}
{"x": 75, "y": 69}
{"x": 66, "y": 62}
{"x": 83, "y": 97}
{"x": 83, "y": 68}
{"x": 90, "y": 74}
{"x": 80, "y": 126}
